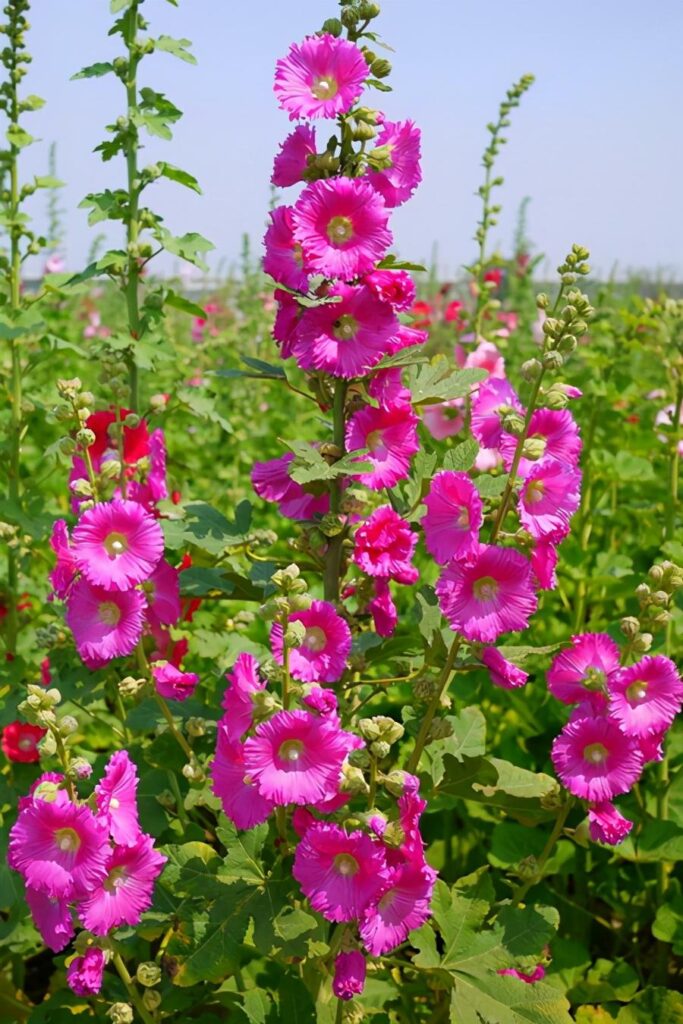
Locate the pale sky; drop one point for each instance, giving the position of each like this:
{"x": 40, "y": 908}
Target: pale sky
{"x": 597, "y": 143}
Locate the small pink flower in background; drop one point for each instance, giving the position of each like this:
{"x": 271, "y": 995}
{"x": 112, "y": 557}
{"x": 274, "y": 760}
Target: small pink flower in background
{"x": 484, "y": 357}
{"x": 490, "y": 398}
{"x": 538, "y": 974}
{"x": 487, "y": 459}
{"x": 646, "y": 697}
{"x": 272, "y": 482}
{"x": 582, "y": 671}
{"x": 402, "y": 906}
{"x": 283, "y": 260}
{"x": 52, "y": 917}
{"x": 162, "y": 590}
{"x": 594, "y": 760}
{"x": 393, "y": 286}
{"x": 55, "y": 264}
{"x": 45, "y": 672}
{"x": 503, "y": 673}
{"x": 391, "y": 437}
{"x": 454, "y": 312}
{"x": 116, "y": 796}
{"x": 106, "y": 624}
{"x": 383, "y": 609}
{"x": 495, "y": 275}
{"x": 20, "y": 742}
{"x": 510, "y": 323}
{"x": 607, "y": 825}
{"x": 243, "y": 681}
{"x": 291, "y": 162}
{"x": 117, "y": 544}
{"x": 544, "y": 558}
{"x": 349, "y": 974}
{"x": 65, "y": 568}
{"x": 445, "y": 419}
{"x": 423, "y": 312}
{"x": 453, "y": 518}
{"x": 320, "y": 77}
{"x": 384, "y": 546}
{"x": 326, "y": 646}
{"x": 549, "y": 497}
{"x": 84, "y": 973}
{"x": 241, "y": 801}
{"x": 490, "y": 594}
{"x": 341, "y": 226}
{"x": 340, "y": 873}
{"x": 398, "y": 182}
{"x": 126, "y": 890}
{"x": 558, "y": 431}
{"x": 172, "y": 683}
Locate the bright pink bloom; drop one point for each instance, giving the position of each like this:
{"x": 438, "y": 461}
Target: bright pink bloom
{"x": 453, "y": 518}
{"x": 296, "y": 757}
{"x": 162, "y": 590}
{"x": 581, "y": 672}
{"x": 387, "y": 387}
{"x": 116, "y": 797}
{"x": 327, "y": 644}
{"x": 283, "y": 259}
{"x": 156, "y": 478}
{"x": 594, "y": 760}
{"x": 490, "y": 594}
{"x": 503, "y": 673}
{"x": 391, "y": 437}
{"x": 491, "y": 397}
{"x": 607, "y": 825}
{"x": 484, "y": 357}
{"x": 393, "y": 286}
{"x": 646, "y": 697}
{"x": 117, "y": 544}
{"x": 538, "y": 974}
{"x": 544, "y": 558}
{"x": 339, "y": 873}
{"x": 321, "y": 700}
{"x": 320, "y": 77}
{"x": 272, "y": 482}
{"x": 423, "y": 312}
{"x": 243, "y": 681}
{"x": 341, "y": 226}
{"x": 557, "y": 429}
{"x": 65, "y": 569}
{"x": 286, "y": 319}
{"x": 105, "y": 624}
{"x": 384, "y": 546}
{"x": 172, "y": 683}
{"x": 240, "y": 798}
{"x": 126, "y": 891}
{"x": 383, "y": 609}
{"x": 45, "y": 787}
{"x": 549, "y": 498}
{"x": 652, "y": 747}
{"x": 84, "y": 973}
{"x": 345, "y": 338}
{"x": 398, "y": 182}
{"x": 406, "y": 337}
{"x": 349, "y": 974}
{"x": 55, "y": 264}
{"x": 20, "y": 742}
{"x": 301, "y": 820}
{"x": 445, "y": 419}
{"x": 454, "y": 312}
{"x": 52, "y": 917}
{"x": 403, "y": 905}
{"x": 45, "y": 672}
{"x": 292, "y": 160}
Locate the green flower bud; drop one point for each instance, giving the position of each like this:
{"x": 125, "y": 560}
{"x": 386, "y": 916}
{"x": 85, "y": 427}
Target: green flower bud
{"x": 629, "y": 626}
{"x": 333, "y": 27}
{"x": 85, "y": 398}
{"x": 81, "y": 487}
{"x": 131, "y": 687}
{"x": 353, "y": 780}
{"x": 660, "y": 597}
{"x": 642, "y": 643}
{"x": 380, "y": 68}
{"x": 368, "y": 10}
{"x": 295, "y": 634}
{"x": 369, "y": 729}
{"x": 379, "y": 749}
{"x": 132, "y": 420}
{"x": 394, "y": 835}
{"x": 68, "y": 725}
{"x": 110, "y": 469}
{"x": 513, "y": 423}
{"x": 193, "y": 772}
{"x": 533, "y": 448}
{"x": 359, "y": 758}
{"x": 300, "y": 602}
{"x": 85, "y": 437}
{"x": 395, "y": 782}
{"x": 531, "y": 369}
{"x": 553, "y": 360}
{"x": 331, "y": 525}
{"x": 47, "y": 745}
{"x": 68, "y": 388}
{"x": 152, "y": 999}
{"x": 196, "y": 726}
{"x": 363, "y": 132}
{"x": 148, "y": 974}
{"x": 656, "y": 573}
{"x": 120, "y": 1013}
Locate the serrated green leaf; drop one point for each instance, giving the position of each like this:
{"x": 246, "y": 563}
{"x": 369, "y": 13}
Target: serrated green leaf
{"x": 491, "y": 486}
{"x": 176, "y": 301}
{"x": 181, "y": 177}
{"x": 462, "y": 457}
{"x": 176, "y": 47}
{"x": 94, "y": 70}
{"x": 204, "y": 527}
{"x": 189, "y": 247}
{"x": 438, "y": 382}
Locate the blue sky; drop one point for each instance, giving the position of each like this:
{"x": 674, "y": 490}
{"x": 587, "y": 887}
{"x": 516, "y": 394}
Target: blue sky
{"x": 597, "y": 143}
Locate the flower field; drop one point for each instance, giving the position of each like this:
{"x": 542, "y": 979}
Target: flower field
{"x": 341, "y": 605}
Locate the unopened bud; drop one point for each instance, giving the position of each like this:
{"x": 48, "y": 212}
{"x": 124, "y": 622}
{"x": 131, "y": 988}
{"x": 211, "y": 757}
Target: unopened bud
{"x": 67, "y": 445}
{"x": 380, "y": 68}
{"x": 642, "y": 643}
{"x": 295, "y": 634}
{"x": 81, "y": 487}
{"x": 353, "y": 780}
{"x": 68, "y": 388}
{"x": 395, "y": 782}
{"x": 629, "y": 626}
{"x": 533, "y": 448}
{"x": 148, "y": 974}
{"x": 151, "y": 998}
{"x": 80, "y": 768}
{"x": 379, "y": 749}
{"x": 131, "y": 687}
{"x": 196, "y": 726}
{"x": 553, "y": 360}
{"x": 132, "y": 421}
{"x": 369, "y": 729}
{"x": 47, "y": 746}
{"x": 656, "y": 573}
{"x": 68, "y": 725}
{"x": 85, "y": 437}
{"x": 531, "y": 369}
{"x": 120, "y": 1013}
{"x": 193, "y": 772}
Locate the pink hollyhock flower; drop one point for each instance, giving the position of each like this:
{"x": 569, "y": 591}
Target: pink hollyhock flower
{"x": 52, "y": 917}
{"x": 491, "y": 398}
{"x": 384, "y": 546}
{"x": 46, "y": 787}
{"x": 341, "y": 226}
{"x": 387, "y": 387}
{"x": 55, "y": 264}
{"x": 327, "y": 644}
{"x": 495, "y": 275}
{"x": 283, "y": 260}
{"x": 549, "y": 498}
{"x": 321, "y": 700}
{"x": 321, "y": 77}
{"x": 594, "y": 760}
{"x": 411, "y": 807}
{"x": 286, "y": 319}
{"x": 445, "y": 419}
{"x": 301, "y": 820}
{"x": 487, "y": 459}
{"x": 349, "y": 974}
{"x": 403, "y": 905}
{"x": 652, "y": 747}
{"x": 243, "y": 682}
{"x": 484, "y": 357}
{"x": 20, "y": 742}
{"x": 162, "y": 590}
{"x": 607, "y": 825}
{"x": 117, "y": 544}
{"x": 453, "y": 518}
{"x": 105, "y": 624}
{"x": 454, "y": 312}
{"x": 393, "y": 286}
{"x": 383, "y": 609}
{"x": 405, "y": 337}
{"x": 116, "y": 797}
{"x": 65, "y": 569}
{"x": 391, "y": 437}
{"x": 84, "y": 973}
{"x": 135, "y": 439}
{"x": 172, "y": 683}
{"x": 235, "y": 789}
{"x": 490, "y": 594}
{"x": 296, "y": 757}
{"x": 45, "y": 672}
{"x": 544, "y": 558}
{"x": 538, "y": 974}
{"x": 510, "y": 322}
{"x": 292, "y": 160}
{"x": 340, "y": 873}
{"x": 126, "y": 890}
{"x": 156, "y": 478}
{"x": 345, "y": 338}
{"x": 646, "y": 697}
{"x": 272, "y": 482}
{"x": 556, "y": 429}
{"x": 503, "y": 673}
{"x": 581, "y": 672}
{"x": 398, "y": 182}
{"x": 423, "y": 312}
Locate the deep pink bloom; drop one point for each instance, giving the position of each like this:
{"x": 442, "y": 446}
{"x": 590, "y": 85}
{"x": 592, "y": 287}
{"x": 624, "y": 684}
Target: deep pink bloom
{"x": 345, "y": 338}
{"x": 126, "y": 891}
{"x": 286, "y": 319}
{"x": 538, "y": 974}
{"x": 46, "y": 787}
{"x": 162, "y": 591}
{"x": 292, "y": 160}
{"x": 491, "y": 397}
{"x": 84, "y": 973}
{"x": 581, "y": 672}
{"x": 559, "y": 434}
{"x": 646, "y": 697}
{"x": 607, "y": 825}
{"x": 327, "y": 644}
{"x": 341, "y": 226}
{"x": 484, "y": 357}
{"x": 544, "y": 559}
{"x": 52, "y": 917}
{"x": 490, "y": 594}
{"x": 65, "y": 568}
{"x": 503, "y": 673}
{"x": 453, "y": 518}
{"x": 243, "y": 681}
{"x": 339, "y": 873}
{"x": 272, "y": 482}
{"x": 349, "y": 974}
{"x": 117, "y": 544}
{"x": 549, "y": 498}
{"x": 322, "y": 700}
{"x": 20, "y": 742}
{"x": 393, "y": 286}
{"x": 116, "y": 797}
{"x": 411, "y": 807}
{"x": 388, "y": 388}
{"x": 384, "y": 546}
{"x": 241, "y": 800}
{"x": 406, "y": 337}
{"x": 383, "y": 609}
{"x": 156, "y": 478}
{"x": 301, "y": 820}
{"x": 652, "y": 747}
{"x": 283, "y": 260}
{"x": 594, "y": 759}
{"x": 398, "y": 182}
{"x": 321, "y": 77}
{"x": 445, "y": 419}
{"x": 172, "y": 683}
{"x": 105, "y": 624}
{"x": 390, "y": 435}
{"x": 403, "y": 905}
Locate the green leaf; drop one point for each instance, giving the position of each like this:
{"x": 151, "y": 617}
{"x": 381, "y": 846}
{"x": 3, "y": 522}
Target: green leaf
{"x": 491, "y": 486}
{"x": 177, "y": 47}
{"x": 392, "y": 262}
{"x": 181, "y": 177}
{"x": 47, "y": 181}
{"x": 190, "y": 869}
{"x": 189, "y": 247}
{"x": 405, "y": 357}
{"x": 668, "y": 923}
{"x": 657, "y": 840}
{"x": 118, "y": 5}
{"x": 204, "y": 527}
{"x": 176, "y": 301}
{"x": 438, "y": 382}
{"x": 214, "y": 940}
{"x": 32, "y": 102}
{"x": 499, "y": 784}
{"x": 653, "y": 1006}
{"x": 18, "y": 137}
{"x": 468, "y": 739}
{"x": 606, "y": 981}
{"x": 461, "y": 458}
{"x": 519, "y": 654}
{"x": 94, "y": 70}
{"x": 242, "y": 862}
{"x": 633, "y": 467}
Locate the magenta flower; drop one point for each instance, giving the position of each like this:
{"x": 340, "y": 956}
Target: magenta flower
{"x": 490, "y": 594}
{"x": 484, "y": 357}
{"x": 126, "y": 890}
{"x": 387, "y": 387}
{"x": 398, "y": 182}
{"x": 283, "y": 260}
{"x": 105, "y": 624}
{"x": 607, "y": 825}
{"x": 453, "y": 518}
{"x": 162, "y": 591}
{"x": 345, "y": 338}
{"x": 65, "y": 568}
{"x": 646, "y": 697}
{"x": 235, "y": 789}
{"x": 340, "y": 873}
{"x": 558, "y": 434}
{"x": 445, "y": 419}
{"x": 327, "y": 644}
{"x": 84, "y": 973}
{"x": 581, "y": 672}
{"x": 390, "y": 435}
{"x": 52, "y": 917}
{"x": 406, "y": 337}
{"x": 549, "y": 498}
{"x": 156, "y": 478}
{"x": 291, "y": 162}
{"x": 403, "y": 905}
{"x": 384, "y": 546}
{"x": 341, "y": 226}
{"x": 544, "y": 559}
{"x": 321, "y": 77}
{"x": 652, "y": 747}
{"x": 272, "y": 482}
{"x": 349, "y": 974}
{"x": 243, "y": 682}
{"x": 383, "y": 609}
{"x": 594, "y": 759}
{"x": 116, "y": 796}
{"x": 117, "y": 544}
{"x": 502, "y": 672}
{"x": 172, "y": 683}
{"x": 286, "y": 319}
{"x": 393, "y": 286}
{"x": 322, "y": 700}
{"x": 296, "y": 757}
{"x": 492, "y": 397}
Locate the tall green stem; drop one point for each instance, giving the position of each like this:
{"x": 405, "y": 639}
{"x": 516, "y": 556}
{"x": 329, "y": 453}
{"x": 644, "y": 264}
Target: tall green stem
{"x": 512, "y": 477}
{"x": 441, "y": 686}
{"x": 132, "y": 991}
{"x": 521, "y": 890}
{"x": 132, "y": 226}
{"x": 15, "y": 355}
{"x": 334, "y": 548}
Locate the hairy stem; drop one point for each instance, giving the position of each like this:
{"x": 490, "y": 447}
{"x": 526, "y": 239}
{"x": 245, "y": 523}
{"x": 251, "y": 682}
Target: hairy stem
{"x": 334, "y": 548}
{"x": 522, "y": 889}
{"x": 131, "y": 989}
{"x": 441, "y": 687}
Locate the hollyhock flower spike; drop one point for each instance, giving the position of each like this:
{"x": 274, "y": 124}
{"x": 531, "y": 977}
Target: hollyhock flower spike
{"x": 607, "y": 825}
{"x": 490, "y": 398}
{"x": 391, "y": 437}
{"x": 105, "y": 624}
{"x": 84, "y": 973}
{"x": 349, "y": 974}
{"x": 20, "y": 742}
{"x": 283, "y": 259}
{"x": 116, "y": 796}
{"x": 320, "y": 77}
{"x": 582, "y": 671}
{"x": 594, "y": 760}
{"x": 291, "y": 162}
{"x": 502, "y": 672}
{"x": 235, "y": 789}
{"x": 646, "y": 697}
{"x": 126, "y": 890}
{"x": 555, "y": 434}
{"x": 325, "y": 648}
{"x": 398, "y": 181}
{"x": 117, "y": 544}
{"x": 384, "y": 546}
{"x": 453, "y": 518}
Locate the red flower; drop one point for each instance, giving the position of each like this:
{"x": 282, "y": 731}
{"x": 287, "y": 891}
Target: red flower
{"x": 135, "y": 439}
{"x": 495, "y": 275}
{"x": 424, "y": 311}
{"x": 20, "y": 742}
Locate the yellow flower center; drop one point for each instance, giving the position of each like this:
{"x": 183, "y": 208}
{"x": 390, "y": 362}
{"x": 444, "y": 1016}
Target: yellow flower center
{"x": 463, "y": 520}
{"x": 291, "y": 750}
{"x": 114, "y": 879}
{"x": 346, "y": 865}
{"x": 27, "y": 743}
{"x": 115, "y": 544}
{"x": 345, "y": 327}
{"x": 594, "y": 678}
{"x": 340, "y": 230}
{"x": 595, "y": 753}
{"x": 315, "y": 639}
{"x": 485, "y": 589}
{"x": 374, "y": 440}
{"x": 67, "y": 840}
{"x": 110, "y": 613}
{"x": 324, "y": 87}
{"x": 535, "y": 492}
{"x": 637, "y": 691}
